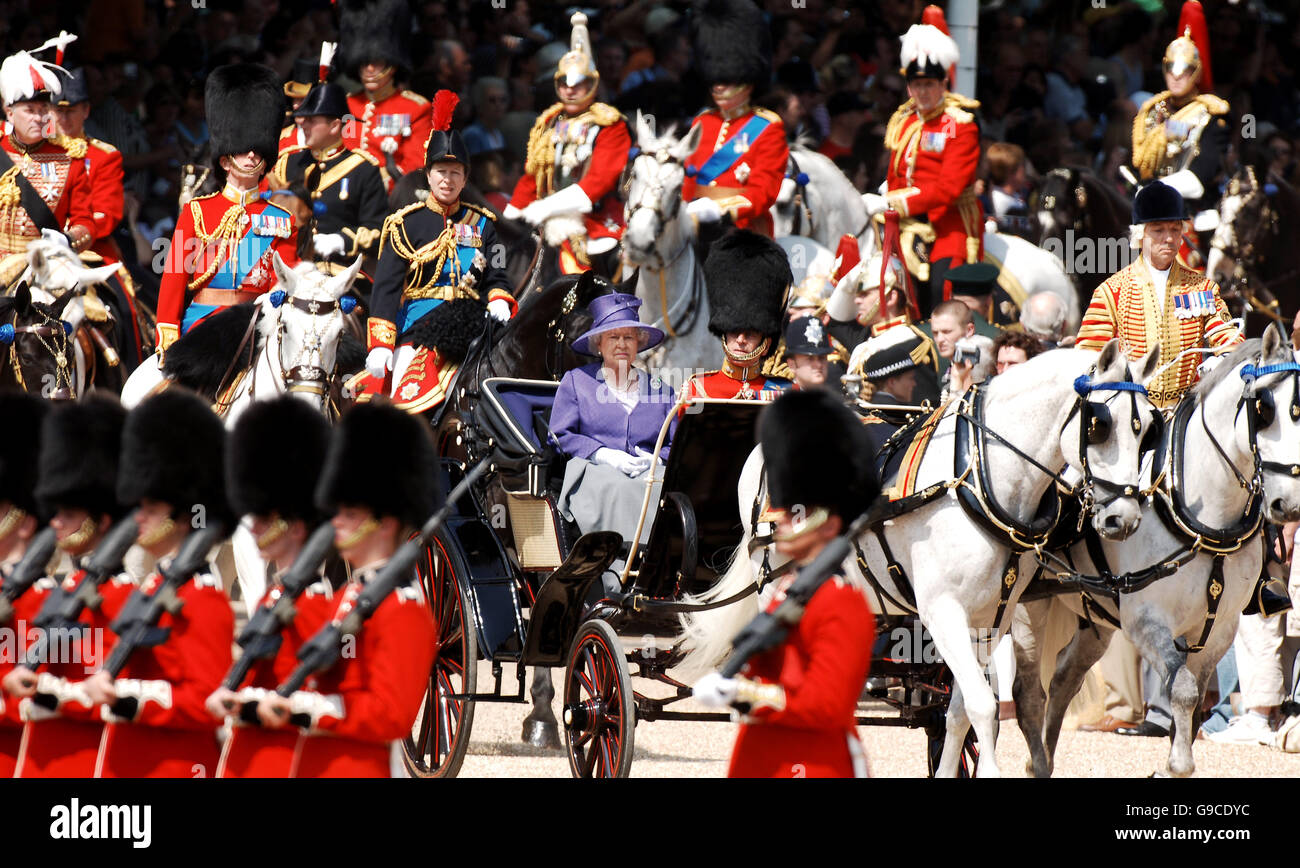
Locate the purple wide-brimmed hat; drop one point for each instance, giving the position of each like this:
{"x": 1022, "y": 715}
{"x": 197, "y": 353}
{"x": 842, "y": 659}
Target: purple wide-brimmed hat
{"x": 615, "y": 311}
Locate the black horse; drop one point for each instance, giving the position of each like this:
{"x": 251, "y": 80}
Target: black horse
{"x": 1084, "y": 220}
{"x": 37, "y": 348}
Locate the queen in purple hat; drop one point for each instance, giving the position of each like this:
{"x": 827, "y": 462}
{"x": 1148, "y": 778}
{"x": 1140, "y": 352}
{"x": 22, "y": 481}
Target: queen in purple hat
{"x": 607, "y": 417}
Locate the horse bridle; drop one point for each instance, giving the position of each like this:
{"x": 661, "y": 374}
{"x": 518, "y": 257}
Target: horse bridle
{"x": 45, "y": 334}
{"x": 1072, "y": 180}
{"x": 800, "y": 199}
{"x": 1243, "y": 253}
{"x": 1096, "y": 426}
{"x": 655, "y": 190}
{"x": 298, "y": 376}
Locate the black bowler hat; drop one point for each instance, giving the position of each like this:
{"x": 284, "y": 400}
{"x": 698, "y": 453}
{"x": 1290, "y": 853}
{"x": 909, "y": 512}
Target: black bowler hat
{"x": 328, "y": 100}
{"x": 806, "y": 336}
{"x": 978, "y": 278}
{"x": 1157, "y": 202}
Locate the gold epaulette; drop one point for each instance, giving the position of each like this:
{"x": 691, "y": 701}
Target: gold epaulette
{"x": 1213, "y": 104}
{"x": 960, "y": 108}
{"x": 370, "y": 158}
{"x": 101, "y": 145}
{"x": 894, "y": 129}
{"x": 769, "y": 116}
{"x": 205, "y": 196}
{"x": 395, "y": 219}
{"x": 414, "y": 97}
{"x": 76, "y": 148}
{"x": 604, "y": 114}
{"x": 479, "y": 209}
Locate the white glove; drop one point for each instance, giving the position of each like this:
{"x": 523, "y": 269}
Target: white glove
{"x": 329, "y": 244}
{"x": 499, "y": 308}
{"x": 875, "y": 204}
{"x": 704, "y": 210}
{"x": 571, "y": 200}
{"x": 630, "y": 465}
{"x": 714, "y": 691}
{"x": 388, "y": 145}
{"x": 535, "y": 213}
{"x": 379, "y": 362}
{"x": 1186, "y": 183}
{"x": 1210, "y": 363}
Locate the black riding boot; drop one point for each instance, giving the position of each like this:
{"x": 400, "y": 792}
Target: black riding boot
{"x": 1269, "y": 598}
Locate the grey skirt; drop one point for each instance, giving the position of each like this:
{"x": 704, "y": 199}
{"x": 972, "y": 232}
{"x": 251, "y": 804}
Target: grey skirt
{"x": 599, "y": 497}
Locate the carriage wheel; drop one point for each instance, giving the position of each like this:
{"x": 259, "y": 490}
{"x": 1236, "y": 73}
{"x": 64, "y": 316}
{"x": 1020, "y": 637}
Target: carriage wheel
{"x": 599, "y": 715}
{"x": 440, "y": 735}
{"x": 970, "y": 750}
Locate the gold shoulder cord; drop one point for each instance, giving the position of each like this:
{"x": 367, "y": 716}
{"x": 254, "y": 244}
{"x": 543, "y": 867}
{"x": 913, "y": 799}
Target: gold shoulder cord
{"x": 540, "y": 162}
{"x": 227, "y": 233}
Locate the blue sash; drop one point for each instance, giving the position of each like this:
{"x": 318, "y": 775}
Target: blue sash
{"x": 729, "y": 154}
{"x": 263, "y": 229}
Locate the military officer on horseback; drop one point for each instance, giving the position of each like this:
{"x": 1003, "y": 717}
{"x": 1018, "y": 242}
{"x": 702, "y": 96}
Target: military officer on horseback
{"x": 441, "y": 271}
{"x": 577, "y": 151}
{"x": 740, "y": 161}
{"x": 221, "y": 251}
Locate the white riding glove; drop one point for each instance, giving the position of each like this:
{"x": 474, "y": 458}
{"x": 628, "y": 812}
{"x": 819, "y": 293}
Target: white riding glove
{"x": 621, "y": 461}
{"x": 499, "y": 308}
{"x": 329, "y": 244}
{"x": 875, "y": 204}
{"x": 571, "y": 200}
{"x": 715, "y": 691}
{"x": 704, "y": 210}
{"x": 379, "y": 362}
{"x": 1211, "y": 362}
{"x": 1186, "y": 183}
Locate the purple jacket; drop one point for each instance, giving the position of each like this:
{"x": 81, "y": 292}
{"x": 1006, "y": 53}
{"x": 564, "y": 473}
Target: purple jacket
{"x": 585, "y": 417}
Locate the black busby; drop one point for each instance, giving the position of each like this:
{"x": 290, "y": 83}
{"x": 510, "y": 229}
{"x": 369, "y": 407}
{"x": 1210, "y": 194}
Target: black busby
{"x": 444, "y": 142}
{"x": 371, "y": 30}
{"x": 324, "y": 99}
{"x": 20, "y": 438}
{"x": 405, "y": 484}
{"x": 747, "y": 276}
{"x": 80, "y": 443}
{"x": 817, "y": 454}
{"x": 732, "y": 43}
{"x": 274, "y": 457}
{"x": 1155, "y": 202}
{"x": 244, "y": 109}
{"x": 173, "y": 450}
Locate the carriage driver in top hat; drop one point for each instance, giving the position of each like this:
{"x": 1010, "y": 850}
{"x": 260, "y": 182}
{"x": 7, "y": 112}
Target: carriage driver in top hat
{"x": 577, "y": 151}
{"x": 740, "y": 159}
{"x": 934, "y": 145}
{"x": 798, "y": 700}
{"x": 441, "y": 271}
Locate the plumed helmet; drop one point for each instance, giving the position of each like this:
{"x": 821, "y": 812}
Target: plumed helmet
{"x": 80, "y": 446}
{"x": 817, "y": 454}
{"x": 444, "y": 142}
{"x": 274, "y": 456}
{"x": 375, "y": 30}
{"x": 20, "y": 438}
{"x": 927, "y": 51}
{"x": 578, "y": 63}
{"x": 732, "y": 43}
{"x": 23, "y": 77}
{"x": 1191, "y": 50}
{"x": 245, "y": 107}
{"x": 405, "y": 484}
{"x": 173, "y": 450}
{"x": 747, "y": 276}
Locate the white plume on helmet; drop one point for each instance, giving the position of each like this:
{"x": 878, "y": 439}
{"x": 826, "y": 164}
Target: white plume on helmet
{"x": 22, "y": 76}
{"x": 928, "y": 45}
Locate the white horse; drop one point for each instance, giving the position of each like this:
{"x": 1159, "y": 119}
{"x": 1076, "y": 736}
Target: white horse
{"x": 296, "y": 344}
{"x": 957, "y": 567}
{"x": 659, "y": 242}
{"x": 817, "y": 200}
{"x": 1168, "y": 618}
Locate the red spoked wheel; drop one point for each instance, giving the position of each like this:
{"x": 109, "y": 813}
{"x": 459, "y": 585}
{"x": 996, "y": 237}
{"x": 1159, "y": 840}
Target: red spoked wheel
{"x": 599, "y": 709}
{"x": 440, "y": 735}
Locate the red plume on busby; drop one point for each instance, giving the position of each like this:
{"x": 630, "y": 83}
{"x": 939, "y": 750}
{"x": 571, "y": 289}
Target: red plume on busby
{"x": 746, "y": 277}
{"x": 245, "y": 108}
{"x": 733, "y": 44}
{"x": 20, "y": 437}
{"x": 444, "y": 106}
{"x": 1192, "y": 29}
{"x": 80, "y": 443}
{"x": 274, "y": 457}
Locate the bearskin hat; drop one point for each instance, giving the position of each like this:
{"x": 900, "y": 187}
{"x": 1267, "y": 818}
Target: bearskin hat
{"x": 732, "y": 43}
{"x": 375, "y": 30}
{"x": 173, "y": 450}
{"x": 405, "y": 484}
{"x": 274, "y": 457}
{"x": 817, "y": 454}
{"x": 20, "y": 438}
{"x": 746, "y": 275}
{"x": 80, "y": 443}
{"x": 245, "y": 108}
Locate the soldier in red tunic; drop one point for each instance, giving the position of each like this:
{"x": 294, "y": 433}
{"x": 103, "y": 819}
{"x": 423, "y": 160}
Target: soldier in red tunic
{"x": 577, "y": 151}
{"x": 156, "y": 722}
{"x": 221, "y": 251}
{"x": 19, "y": 441}
{"x": 355, "y": 712}
{"x": 275, "y": 488}
{"x": 77, "y": 488}
{"x": 296, "y": 87}
{"x": 42, "y": 187}
{"x": 799, "y": 699}
{"x": 103, "y": 163}
{"x": 747, "y": 277}
{"x": 934, "y": 145}
{"x": 388, "y": 123}
{"x": 741, "y": 152}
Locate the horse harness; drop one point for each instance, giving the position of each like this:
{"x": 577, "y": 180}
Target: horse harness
{"x": 49, "y": 333}
{"x": 688, "y": 308}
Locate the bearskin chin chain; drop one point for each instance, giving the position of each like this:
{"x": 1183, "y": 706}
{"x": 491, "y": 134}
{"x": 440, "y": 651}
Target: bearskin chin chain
{"x": 365, "y": 529}
{"x": 11, "y": 520}
{"x": 158, "y": 534}
{"x": 80, "y": 536}
{"x": 272, "y": 534}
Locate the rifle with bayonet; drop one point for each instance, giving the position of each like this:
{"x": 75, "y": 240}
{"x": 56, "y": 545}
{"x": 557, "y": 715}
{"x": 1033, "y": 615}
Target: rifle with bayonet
{"x": 323, "y": 649}
{"x": 26, "y": 572}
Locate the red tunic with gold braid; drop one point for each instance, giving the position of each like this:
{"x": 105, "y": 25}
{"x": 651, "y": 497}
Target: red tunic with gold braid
{"x": 1126, "y": 306}
{"x": 58, "y": 179}
{"x": 802, "y": 724}
{"x": 291, "y": 137}
{"x": 358, "y": 708}
{"x": 931, "y": 174}
{"x": 733, "y": 381}
{"x": 399, "y": 119}
{"x": 11, "y": 721}
{"x": 103, "y": 164}
{"x": 751, "y": 168}
{"x": 253, "y": 751}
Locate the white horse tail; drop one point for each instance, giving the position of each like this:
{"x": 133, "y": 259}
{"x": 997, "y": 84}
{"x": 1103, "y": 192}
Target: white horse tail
{"x": 707, "y": 634}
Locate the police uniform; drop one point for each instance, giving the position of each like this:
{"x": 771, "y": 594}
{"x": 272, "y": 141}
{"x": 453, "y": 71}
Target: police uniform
{"x": 741, "y": 157}
{"x": 345, "y": 187}
{"x": 159, "y": 726}
{"x": 221, "y": 251}
{"x": 746, "y": 276}
{"x": 573, "y": 165}
{"x": 1127, "y": 306}
{"x": 391, "y": 125}
{"x": 355, "y": 712}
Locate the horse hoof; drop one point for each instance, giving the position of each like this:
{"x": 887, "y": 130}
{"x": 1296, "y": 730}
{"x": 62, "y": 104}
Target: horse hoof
{"x": 542, "y": 733}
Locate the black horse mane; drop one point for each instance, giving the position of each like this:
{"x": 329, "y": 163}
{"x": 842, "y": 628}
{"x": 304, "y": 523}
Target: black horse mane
{"x": 200, "y": 359}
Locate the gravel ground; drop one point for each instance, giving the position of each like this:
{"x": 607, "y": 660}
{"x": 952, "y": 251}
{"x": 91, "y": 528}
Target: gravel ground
{"x": 689, "y": 750}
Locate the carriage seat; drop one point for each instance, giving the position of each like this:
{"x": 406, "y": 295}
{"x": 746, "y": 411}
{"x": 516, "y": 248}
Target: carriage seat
{"x": 519, "y": 413}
